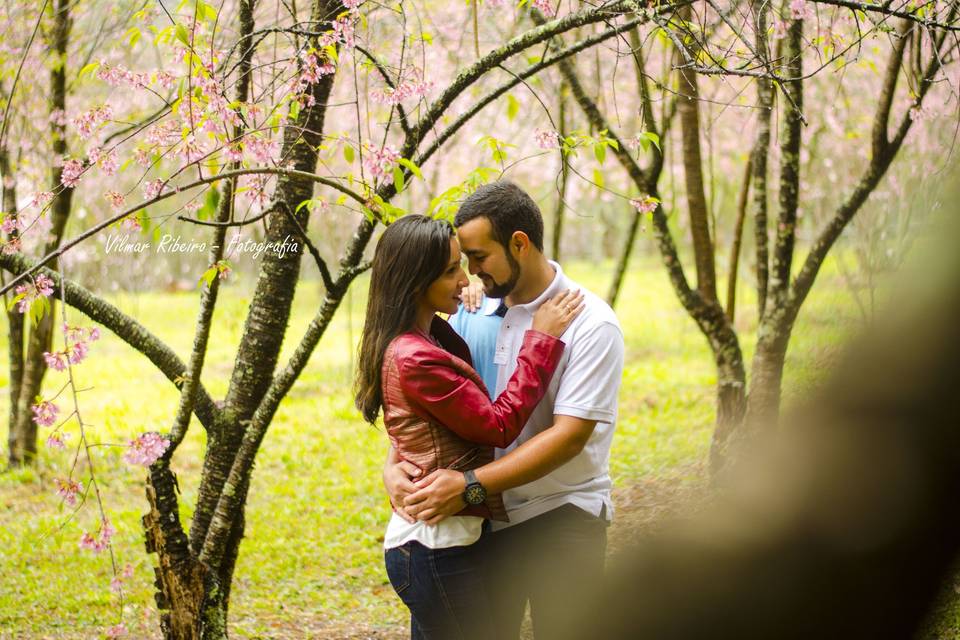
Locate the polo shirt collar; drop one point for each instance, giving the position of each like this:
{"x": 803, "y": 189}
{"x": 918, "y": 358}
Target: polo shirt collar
{"x": 557, "y": 285}
{"x": 490, "y": 305}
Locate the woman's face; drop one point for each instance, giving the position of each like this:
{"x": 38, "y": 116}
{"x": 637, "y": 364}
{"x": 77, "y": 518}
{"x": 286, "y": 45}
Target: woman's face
{"x": 443, "y": 294}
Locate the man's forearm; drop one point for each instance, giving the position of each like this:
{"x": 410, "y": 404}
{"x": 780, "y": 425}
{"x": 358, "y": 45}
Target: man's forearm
{"x": 538, "y": 456}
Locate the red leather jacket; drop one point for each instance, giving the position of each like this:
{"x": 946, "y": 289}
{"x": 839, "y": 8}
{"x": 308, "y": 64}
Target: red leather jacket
{"x": 437, "y": 412}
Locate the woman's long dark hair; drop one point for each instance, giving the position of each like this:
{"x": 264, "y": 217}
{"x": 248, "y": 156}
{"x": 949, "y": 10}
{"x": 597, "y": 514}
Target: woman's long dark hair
{"x": 411, "y": 254}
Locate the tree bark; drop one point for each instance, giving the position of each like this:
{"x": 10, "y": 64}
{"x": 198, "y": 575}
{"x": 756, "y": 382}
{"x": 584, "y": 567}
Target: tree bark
{"x": 564, "y": 174}
{"x": 688, "y": 111}
{"x": 737, "y": 240}
{"x": 40, "y": 337}
{"x": 14, "y": 317}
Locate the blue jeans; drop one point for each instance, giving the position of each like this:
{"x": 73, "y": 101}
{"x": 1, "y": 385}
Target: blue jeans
{"x": 444, "y": 590}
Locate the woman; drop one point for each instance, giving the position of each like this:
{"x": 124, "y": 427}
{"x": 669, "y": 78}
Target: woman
{"x": 438, "y": 414}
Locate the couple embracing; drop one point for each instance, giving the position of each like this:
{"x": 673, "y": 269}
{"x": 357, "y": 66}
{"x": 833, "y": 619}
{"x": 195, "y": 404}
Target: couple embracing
{"x": 499, "y": 480}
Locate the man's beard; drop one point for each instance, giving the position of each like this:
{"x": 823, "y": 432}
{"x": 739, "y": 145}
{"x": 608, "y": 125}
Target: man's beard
{"x": 502, "y": 290}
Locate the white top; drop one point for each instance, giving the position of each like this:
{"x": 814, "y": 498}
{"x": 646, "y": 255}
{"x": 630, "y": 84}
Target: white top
{"x": 585, "y": 385}
{"x": 456, "y": 531}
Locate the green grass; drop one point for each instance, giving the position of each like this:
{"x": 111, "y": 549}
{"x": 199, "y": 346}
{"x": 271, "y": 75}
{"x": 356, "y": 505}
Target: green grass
{"x": 317, "y": 511}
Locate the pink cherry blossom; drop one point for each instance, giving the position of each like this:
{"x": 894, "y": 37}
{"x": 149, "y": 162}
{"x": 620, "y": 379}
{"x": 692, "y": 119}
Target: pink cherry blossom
{"x": 799, "y": 10}
{"x": 41, "y": 199}
{"x": 547, "y": 139}
{"x": 42, "y": 285}
{"x": 415, "y": 88}
{"x": 131, "y": 223}
{"x": 70, "y": 174}
{"x": 57, "y": 440}
{"x": 45, "y": 413}
{"x": 69, "y": 490}
{"x": 101, "y": 541}
{"x": 146, "y": 449}
{"x": 644, "y": 205}
{"x": 11, "y": 223}
{"x": 115, "y": 199}
{"x": 11, "y": 246}
{"x": 55, "y": 360}
{"x": 380, "y": 162}
{"x": 87, "y": 123}
{"x": 544, "y": 6}
{"x": 117, "y": 631}
{"x": 152, "y": 189}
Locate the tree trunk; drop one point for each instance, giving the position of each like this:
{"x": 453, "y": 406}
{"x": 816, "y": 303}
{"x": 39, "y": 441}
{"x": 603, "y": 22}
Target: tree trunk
{"x": 737, "y": 240}
{"x": 14, "y": 319}
{"x": 24, "y": 429}
{"x": 564, "y": 174}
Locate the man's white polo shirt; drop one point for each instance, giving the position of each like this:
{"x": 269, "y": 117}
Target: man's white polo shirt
{"x": 585, "y": 385}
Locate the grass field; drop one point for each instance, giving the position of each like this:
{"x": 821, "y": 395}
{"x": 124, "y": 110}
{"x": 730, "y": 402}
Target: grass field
{"x": 311, "y": 563}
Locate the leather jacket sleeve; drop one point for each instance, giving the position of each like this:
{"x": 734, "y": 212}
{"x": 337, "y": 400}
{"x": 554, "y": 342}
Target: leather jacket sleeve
{"x": 453, "y": 400}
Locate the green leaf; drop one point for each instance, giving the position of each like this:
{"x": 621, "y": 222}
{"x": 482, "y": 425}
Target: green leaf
{"x": 600, "y": 151}
{"x": 414, "y": 169}
{"x": 654, "y": 138}
{"x": 132, "y": 36}
{"x": 90, "y": 68}
{"x": 208, "y": 276}
{"x": 294, "y": 109}
{"x": 17, "y": 298}
{"x": 513, "y": 107}
{"x": 348, "y": 154}
{"x": 182, "y": 34}
{"x": 598, "y": 178}
{"x": 398, "y": 181}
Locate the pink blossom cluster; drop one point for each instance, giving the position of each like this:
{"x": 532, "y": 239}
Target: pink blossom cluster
{"x": 11, "y": 223}
{"x": 342, "y": 32}
{"x": 131, "y": 223}
{"x": 87, "y": 123}
{"x": 263, "y": 150}
{"x": 12, "y": 246}
{"x": 352, "y": 5}
{"x": 644, "y": 205}
{"x": 120, "y": 75}
{"x": 69, "y": 490}
{"x": 234, "y": 152}
{"x": 101, "y": 541}
{"x": 403, "y": 91}
{"x": 58, "y": 117}
{"x": 70, "y": 174}
{"x": 256, "y": 189}
{"x": 116, "y": 631}
{"x": 192, "y": 149}
{"x": 45, "y": 413}
{"x": 544, "y": 6}
{"x": 164, "y": 133}
{"x": 41, "y": 199}
{"x": 57, "y": 440}
{"x": 116, "y": 584}
{"x": 547, "y": 139}
{"x": 106, "y": 160}
{"x": 146, "y": 449}
{"x": 165, "y": 79}
{"x": 78, "y": 346}
{"x": 142, "y": 157}
{"x": 115, "y": 199}
{"x": 217, "y": 105}
{"x": 380, "y": 162}
{"x": 800, "y": 10}
{"x": 41, "y": 286}
{"x": 152, "y": 189}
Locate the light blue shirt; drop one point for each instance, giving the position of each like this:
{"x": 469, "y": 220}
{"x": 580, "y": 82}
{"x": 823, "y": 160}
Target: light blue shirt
{"x": 479, "y": 330}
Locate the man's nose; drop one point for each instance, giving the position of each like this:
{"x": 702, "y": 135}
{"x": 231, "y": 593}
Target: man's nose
{"x": 473, "y": 267}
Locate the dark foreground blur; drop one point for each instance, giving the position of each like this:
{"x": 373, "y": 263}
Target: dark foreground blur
{"x": 842, "y": 525}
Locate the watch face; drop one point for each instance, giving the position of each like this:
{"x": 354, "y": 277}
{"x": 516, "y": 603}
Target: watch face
{"x": 475, "y": 494}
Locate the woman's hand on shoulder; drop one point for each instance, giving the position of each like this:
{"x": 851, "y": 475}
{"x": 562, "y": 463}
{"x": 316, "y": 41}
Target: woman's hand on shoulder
{"x": 555, "y": 315}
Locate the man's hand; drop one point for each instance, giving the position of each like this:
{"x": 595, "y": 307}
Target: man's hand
{"x": 438, "y": 496}
{"x": 398, "y": 480}
{"x": 472, "y": 296}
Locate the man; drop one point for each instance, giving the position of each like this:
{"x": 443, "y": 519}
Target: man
{"x": 555, "y": 478}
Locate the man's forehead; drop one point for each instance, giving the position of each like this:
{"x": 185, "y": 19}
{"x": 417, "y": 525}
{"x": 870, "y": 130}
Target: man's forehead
{"x": 475, "y": 233}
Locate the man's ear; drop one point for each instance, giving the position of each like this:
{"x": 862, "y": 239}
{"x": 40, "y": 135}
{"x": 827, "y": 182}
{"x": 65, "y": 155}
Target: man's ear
{"x": 520, "y": 244}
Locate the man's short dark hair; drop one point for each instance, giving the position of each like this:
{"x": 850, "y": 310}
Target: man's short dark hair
{"x": 508, "y": 208}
